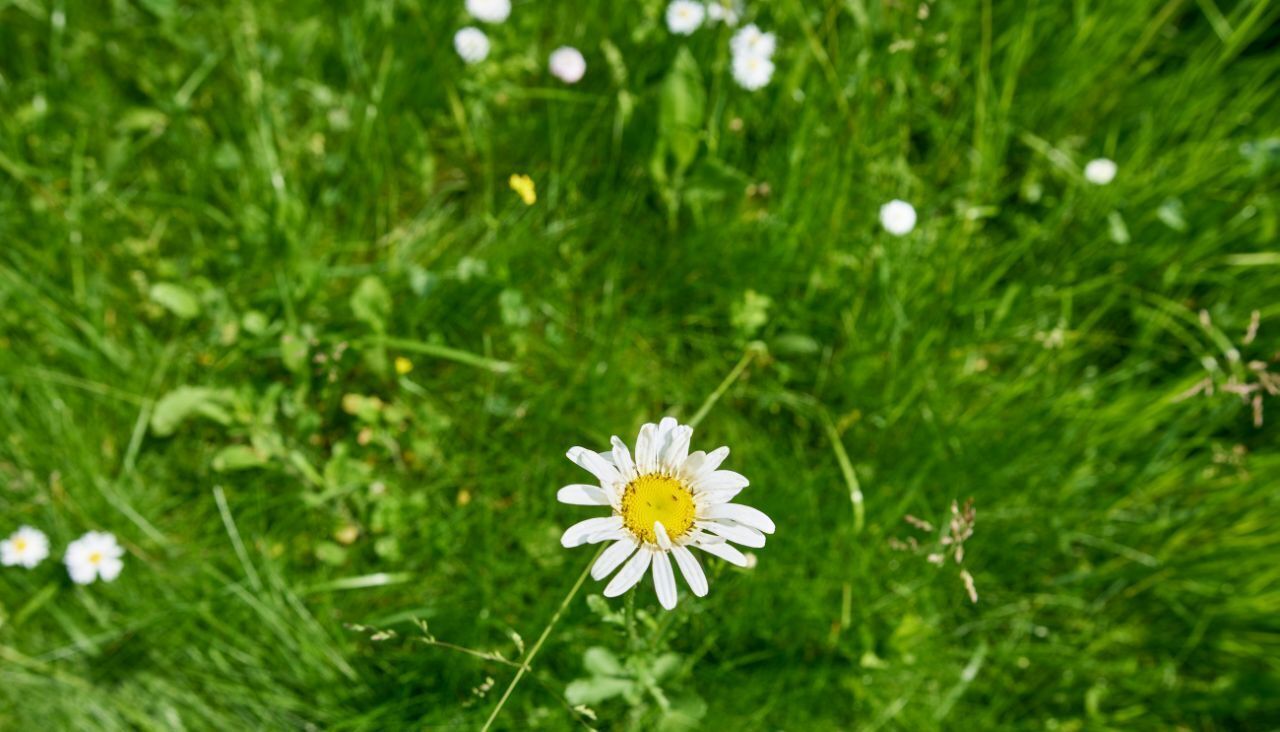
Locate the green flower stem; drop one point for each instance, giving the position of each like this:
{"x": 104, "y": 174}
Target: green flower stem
{"x": 537, "y": 646}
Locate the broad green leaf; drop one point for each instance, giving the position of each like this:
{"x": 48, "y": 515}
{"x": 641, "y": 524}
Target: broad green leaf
{"x": 238, "y": 457}
{"x": 371, "y": 303}
{"x": 293, "y": 352}
{"x": 596, "y": 689}
{"x": 682, "y": 109}
{"x": 176, "y": 299}
{"x": 600, "y": 661}
{"x": 186, "y": 402}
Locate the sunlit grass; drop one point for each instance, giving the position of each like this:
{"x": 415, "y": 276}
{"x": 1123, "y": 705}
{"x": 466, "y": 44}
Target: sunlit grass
{"x": 272, "y": 313}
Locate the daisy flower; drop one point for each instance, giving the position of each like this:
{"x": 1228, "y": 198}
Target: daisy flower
{"x": 752, "y": 72}
{"x": 26, "y": 547}
{"x": 96, "y": 555}
{"x": 664, "y": 501}
{"x": 1100, "y": 171}
{"x": 685, "y": 16}
{"x": 567, "y": 64}
{"x": 728, "y": 12}
{"x": 489, "y": 11}
{"x": 898, "y": 217}
{"x": 750, "y": 41}
{"x": 471, "y": 44}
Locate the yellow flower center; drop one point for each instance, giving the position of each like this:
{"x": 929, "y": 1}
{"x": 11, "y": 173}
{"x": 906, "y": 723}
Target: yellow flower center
{"x": 95, "y": 558}
{"x": 657, "y": 497}
{"x": 20, "y": 544}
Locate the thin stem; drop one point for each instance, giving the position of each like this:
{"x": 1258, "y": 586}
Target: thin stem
{"x": 846, "y": 469}
{"x": 537, "y": 646}
{"x": 471, "y": 652}
{"x": 753, "y": 349}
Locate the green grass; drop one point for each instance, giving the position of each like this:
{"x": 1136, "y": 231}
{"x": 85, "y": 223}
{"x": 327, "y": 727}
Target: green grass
{"x": 319, "y": 191}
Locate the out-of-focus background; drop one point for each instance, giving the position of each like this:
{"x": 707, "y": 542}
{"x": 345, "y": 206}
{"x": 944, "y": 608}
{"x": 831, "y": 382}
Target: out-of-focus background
{"x": 271, "y": 313}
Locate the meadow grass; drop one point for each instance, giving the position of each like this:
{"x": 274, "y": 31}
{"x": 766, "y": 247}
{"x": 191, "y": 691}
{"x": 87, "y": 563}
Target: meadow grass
{"x": 223, "y": 223}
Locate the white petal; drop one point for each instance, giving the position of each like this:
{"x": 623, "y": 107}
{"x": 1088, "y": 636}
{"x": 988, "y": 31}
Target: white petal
{"x": 745, "y": 515}
{"x": 711, "y": 498}
{"x": 646, "y": 449}
{"x": 660, "y": 533}
{"x": 607, "y": 456}
{"x": 629, "y": 575}
{"x": 612, "y": 557}
{"x": 664, "y": 580}
{"x": 727, "y": 552}
{"x": 692, "y": 465}
{"x": 582, "y": 495}
{"x": 611, "y": 534}
{"x": 720, "y": 480}
{"x": 82, "y": 573}
{"x": 665, "y": 425}
{"x": 713, "y": 460}
{"x": 677, "y": 449}
{"x": 734, "y": 532}
{"x": 691, "y": 570}
{"x": 591, "y": 461}
{"x": 578, "y": 534}
{"x": 622, "y": 459}
{"x": 110, "y": 569}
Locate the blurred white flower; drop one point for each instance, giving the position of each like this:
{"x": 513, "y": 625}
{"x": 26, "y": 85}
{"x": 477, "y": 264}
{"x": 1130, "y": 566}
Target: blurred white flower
{"x": 1100, "y": 171}
{"x": 489, "y": 11}
{"x": 96, "y": 555}
{"x": 898, "y": 217}
{"x": 750, "y": 41}
{"x": 685, "y": 16}
{"x": 472, "y": 44}
{"x": 26, "y": 547}
{"x": 752, "y": 72}
{"x": 567, "y": 64}
{"x": 728, "y": 12}
{"x": 663, "y": 501}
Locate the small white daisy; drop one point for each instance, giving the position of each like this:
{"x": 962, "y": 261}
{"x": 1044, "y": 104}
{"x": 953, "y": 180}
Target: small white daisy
{"x": 898, "y": 217}
{"x": 567, "y": 64}
{"x": 489, "y": 11}
{"x": 96, "y": 555}
{"x": 685, "y": 16}
{"x": 750, "y": 41}
{"x": 471, "y": 44}
{"x": 1100, "y": 171}
{"x": 728, "y": 12}
{"x": 26, "y": 547}
{"x": 664, "y": 501}
{"x": 752, "y": 72}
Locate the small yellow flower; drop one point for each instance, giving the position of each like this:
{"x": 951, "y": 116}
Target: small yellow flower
{"x": 403, "y": 365}
{"x": 523, "y": 185}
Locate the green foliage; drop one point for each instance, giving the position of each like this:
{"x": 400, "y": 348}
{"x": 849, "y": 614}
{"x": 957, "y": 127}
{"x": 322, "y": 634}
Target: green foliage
{"x": 270, "y": 313}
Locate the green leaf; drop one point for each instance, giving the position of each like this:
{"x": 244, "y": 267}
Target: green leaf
{"x": 1172, "y": 214}
{"x": 255, "y": 322}
{"x": 1116, "y": 225}
{"x": 176, "y": 299}
{"x": 186, "y": 402}
{"x": 293, "y": 352}
{"x": 600, "y": 661}
{"x": 682, "y": 110}
{"x": 794, "y": 344}
{"x": 596, "y": 689}
{"x": 330, "y": 553}
{"x": 238, "y": 457}
{"x": 371, "y": 303}
{"x": 685, "y": 715}
{"x": 664, "y": 665}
